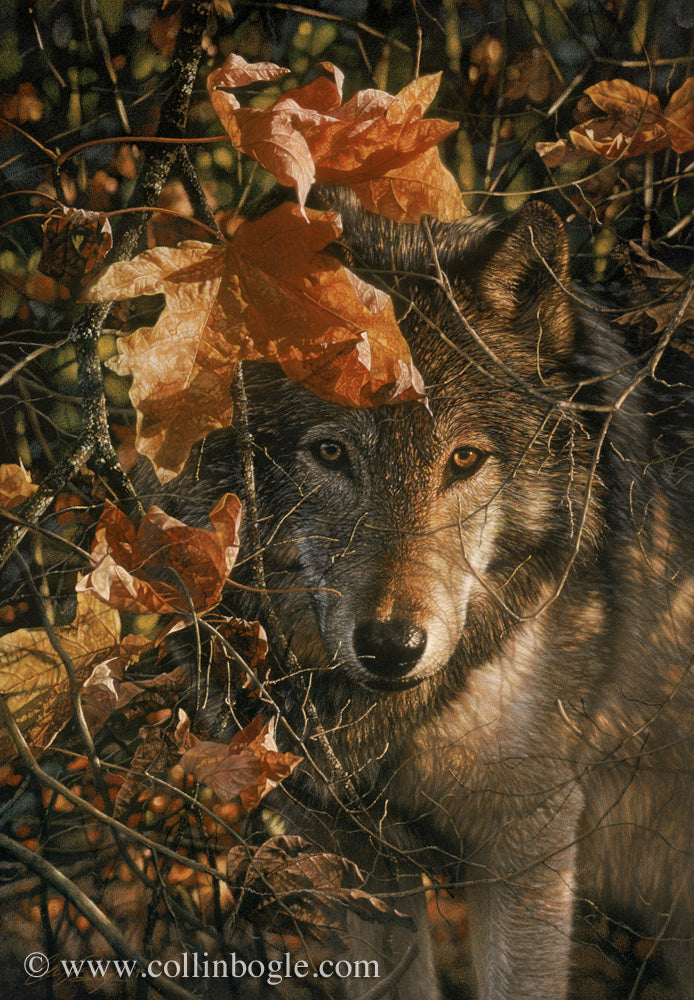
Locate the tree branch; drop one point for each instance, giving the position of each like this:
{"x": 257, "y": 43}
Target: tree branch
{"x": 94, "y": 446}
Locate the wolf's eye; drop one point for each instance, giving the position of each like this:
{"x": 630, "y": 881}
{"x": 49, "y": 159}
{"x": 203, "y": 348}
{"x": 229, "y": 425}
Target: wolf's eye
{"x": 331, "y": 454}
{"x": 464, "y": 462}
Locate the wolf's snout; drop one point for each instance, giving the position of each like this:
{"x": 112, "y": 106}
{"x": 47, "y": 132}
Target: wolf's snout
{"x": 389, "y": 648}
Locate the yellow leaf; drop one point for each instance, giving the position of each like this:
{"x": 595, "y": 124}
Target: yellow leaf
{"x": 33, "y": 678}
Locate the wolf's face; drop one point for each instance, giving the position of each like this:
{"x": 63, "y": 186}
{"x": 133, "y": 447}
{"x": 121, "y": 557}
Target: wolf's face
{"x": 395, "y": 549}
{"x": 401, "y": 539}
{"x": 405, "y": 533}
{"x": 409, "y": 535}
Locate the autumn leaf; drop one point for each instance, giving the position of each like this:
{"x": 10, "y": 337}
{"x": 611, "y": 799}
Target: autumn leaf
{"x": 104, "y": 690}
{"x": 163, "y": 565}
{"x": 419, "y": 188}
{"x": 249, "y": 766}
{"x": 375, "y": 143}
{"x": 641, "y": 114}
{"x": 33, "y": 677}
{"x": 268, "y": 294}
{"x": 15, "y": 486}
{"x": 223, "y": 770}
{"x": 635, "y": 123}
{"x": 75, "y": 243}
{"x": 258, "y": 738}
{"x": 679, "y": 116}
{"x": 291, "y": 863}
{"x": 661, "y": 289}
{"x": 249, "y": 640}
{"x": 313, "y": 886}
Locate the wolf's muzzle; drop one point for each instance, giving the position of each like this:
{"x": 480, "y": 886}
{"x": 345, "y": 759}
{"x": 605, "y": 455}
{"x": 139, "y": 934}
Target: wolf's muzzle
{"x": 389, "y": 649}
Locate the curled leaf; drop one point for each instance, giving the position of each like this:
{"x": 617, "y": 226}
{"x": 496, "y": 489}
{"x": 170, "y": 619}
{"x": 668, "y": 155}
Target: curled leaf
{"x": 314, "y": 888}
{"x": 104, "y": 691}
{"x": 375, "y": 143}
{"x": 249, "y": 766}
{"x": 634, "y": 123}
{"x": 163, "y": 565}
{"x": 75, "y": 243}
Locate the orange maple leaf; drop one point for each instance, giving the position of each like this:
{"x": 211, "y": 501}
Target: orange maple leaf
{"x": 268, "y": 294}
{"x": 249, "y": 766}
{"x": 375, "y": 143}
{"x": 163, "y": 565}
{"x": 634, "y": 123}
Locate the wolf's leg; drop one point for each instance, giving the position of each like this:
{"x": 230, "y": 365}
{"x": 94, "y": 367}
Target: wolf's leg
{"x": 401, "y": 955}
{"x": 521, "y": 930}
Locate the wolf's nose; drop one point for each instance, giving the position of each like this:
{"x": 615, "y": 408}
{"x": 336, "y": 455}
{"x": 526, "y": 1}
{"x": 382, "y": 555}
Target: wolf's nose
{"x": 389, "y": 648}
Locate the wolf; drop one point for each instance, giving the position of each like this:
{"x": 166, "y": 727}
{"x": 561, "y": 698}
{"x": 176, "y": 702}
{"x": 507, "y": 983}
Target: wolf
{"x": 489, "y": 602}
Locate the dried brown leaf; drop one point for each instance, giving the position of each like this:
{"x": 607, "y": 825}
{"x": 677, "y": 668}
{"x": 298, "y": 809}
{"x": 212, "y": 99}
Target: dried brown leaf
{"x": 194, "y": 563}
{"x": 660, "y": 289}
{"x": 227, "y": 772}
{"x": 679, "y": 115}
{"x": 100, "y": 691}
{"x": 634, "y": 124}
{"x": 75, "y": 243}
{"x": 314, "y": 887}
{"x": 249, "y": 766}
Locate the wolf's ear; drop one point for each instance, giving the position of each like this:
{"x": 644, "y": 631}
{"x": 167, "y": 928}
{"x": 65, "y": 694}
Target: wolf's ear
{"x": 526, "y": 278}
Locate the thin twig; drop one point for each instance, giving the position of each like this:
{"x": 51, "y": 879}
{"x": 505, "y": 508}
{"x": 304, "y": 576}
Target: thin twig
{"x": 340, "y": 778}
{"x": 420, "y": 39}
{"x": 108, "y": 63}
